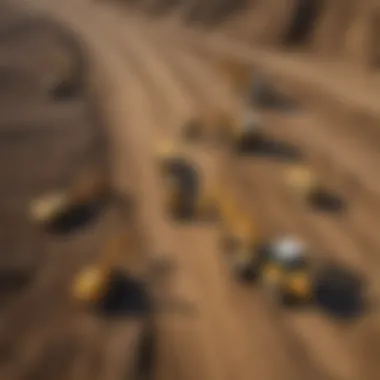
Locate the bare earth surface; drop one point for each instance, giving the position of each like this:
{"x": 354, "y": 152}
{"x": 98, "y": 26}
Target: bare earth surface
{"x": 143, "y": 80}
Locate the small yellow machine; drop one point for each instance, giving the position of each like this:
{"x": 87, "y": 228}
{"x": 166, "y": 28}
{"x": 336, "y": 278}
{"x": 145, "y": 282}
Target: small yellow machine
{"x": 280, "y": 266}
{"x": 58, "y": 208}
{"x": 92, "y": 284}
{"x": 286, "y": 271}
{"x": 186, "y": 194}
{"x": 306, "y": 185}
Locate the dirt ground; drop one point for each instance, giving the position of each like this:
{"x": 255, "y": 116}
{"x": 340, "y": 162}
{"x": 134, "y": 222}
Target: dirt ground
{"x": 135, "y": 82}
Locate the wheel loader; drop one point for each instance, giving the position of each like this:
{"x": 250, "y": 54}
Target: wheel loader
{"x": 63, "y": 210}
{"x": 286, "y": 271}
{"x": 103, "y": 284}
{"x": 186, "y": 193}
{"x": 283, "y": 266}
{"x": 293, "y": 277}
{"x": 304, "y": 183}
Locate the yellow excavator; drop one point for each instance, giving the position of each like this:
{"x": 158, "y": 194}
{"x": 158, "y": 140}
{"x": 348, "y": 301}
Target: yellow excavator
{"x": 186, "y": 192}
{"x": 305, "y": 184}
{"x": 78, "y": 202}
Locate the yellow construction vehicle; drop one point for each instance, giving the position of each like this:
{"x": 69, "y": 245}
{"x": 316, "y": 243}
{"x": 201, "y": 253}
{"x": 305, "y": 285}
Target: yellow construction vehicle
{"x": 304, "y": 182}
{"x": 62, "y": 209}
{"x": 281, "y": 266}
{"x": 252, "y": 258}
{"x": 286, "y": 271}
{"x": 186, "y": 194}
{"x": 93, "y": 283}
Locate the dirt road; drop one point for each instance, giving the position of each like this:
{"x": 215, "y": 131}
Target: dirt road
{"x": 149, "y": 82}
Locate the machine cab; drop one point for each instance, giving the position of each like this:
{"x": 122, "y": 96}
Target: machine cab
{"x": 289, "y": 254}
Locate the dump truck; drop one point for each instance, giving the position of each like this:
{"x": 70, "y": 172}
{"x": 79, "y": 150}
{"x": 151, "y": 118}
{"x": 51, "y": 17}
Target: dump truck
{"x": 186, "y": 189}
{"x": 304, "y": 183}
{"x": 61, "y": 210}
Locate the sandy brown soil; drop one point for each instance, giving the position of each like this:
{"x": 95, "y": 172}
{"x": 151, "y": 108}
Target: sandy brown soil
{"x": 149, "y": 80}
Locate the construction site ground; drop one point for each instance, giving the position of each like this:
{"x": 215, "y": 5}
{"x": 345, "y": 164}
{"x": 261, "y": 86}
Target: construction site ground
{"x": 143, "y": 80}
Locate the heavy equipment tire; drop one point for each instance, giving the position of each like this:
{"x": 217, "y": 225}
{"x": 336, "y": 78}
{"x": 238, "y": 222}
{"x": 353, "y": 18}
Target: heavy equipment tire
{"x": 339, "y": 292}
